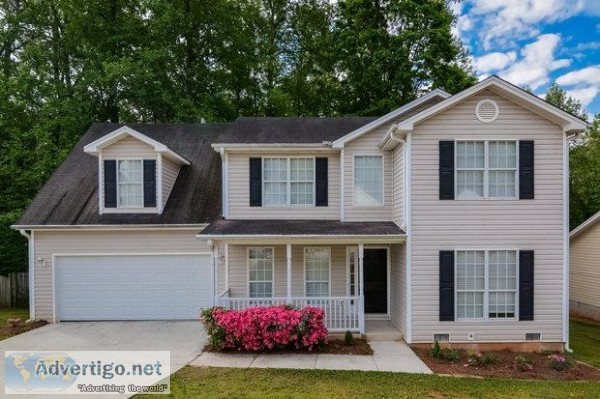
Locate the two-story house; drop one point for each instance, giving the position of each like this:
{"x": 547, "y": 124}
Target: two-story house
{"x": 448, "y": 217}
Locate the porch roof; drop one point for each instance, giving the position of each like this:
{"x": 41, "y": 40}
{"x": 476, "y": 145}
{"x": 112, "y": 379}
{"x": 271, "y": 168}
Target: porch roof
{"x": 302, "y": 230}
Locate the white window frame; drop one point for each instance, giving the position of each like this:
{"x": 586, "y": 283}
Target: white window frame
{"x": 486, "y": 287}
{"x": 272, "y": 281}
{"x": 118, "y": 182}
{"x": 486, "y": 169}
{"x": 314, "y": 281}
{"x": 289, "y": 182}
{"x": 368, "y": 154}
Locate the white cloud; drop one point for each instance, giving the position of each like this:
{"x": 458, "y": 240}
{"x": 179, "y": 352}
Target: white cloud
{"x": 501, "y": 22}
{"x": 589, "y": 75}
{"x": 496, "y": 61}
{"x": 536, "y": 63}
{"x": 588, "y": 46}
{"x": 586, "y": 95}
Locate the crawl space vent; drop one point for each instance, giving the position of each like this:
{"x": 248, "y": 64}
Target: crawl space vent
{"x": 533, "y": 336}
{"x": 441, "y": 337}
{"x": 487, "y": 111}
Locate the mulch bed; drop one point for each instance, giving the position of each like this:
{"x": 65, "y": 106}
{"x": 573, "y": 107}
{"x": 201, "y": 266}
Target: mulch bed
{"x": 505, "y": 367}
{"x": 10, "y": 331}
{"x": 359, "y": 346}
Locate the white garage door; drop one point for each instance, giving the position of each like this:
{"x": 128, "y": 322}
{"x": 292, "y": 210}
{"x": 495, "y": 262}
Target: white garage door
{"x": 152, "y": 287}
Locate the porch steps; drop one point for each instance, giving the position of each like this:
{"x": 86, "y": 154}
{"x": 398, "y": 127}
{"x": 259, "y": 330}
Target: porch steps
{"x": 382, "y": 330}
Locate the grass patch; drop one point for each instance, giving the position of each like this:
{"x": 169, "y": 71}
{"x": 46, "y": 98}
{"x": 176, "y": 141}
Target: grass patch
{"x": 7, "y": 331}
{"x": 585, "y": 341}
{"x": 197, "y": 382}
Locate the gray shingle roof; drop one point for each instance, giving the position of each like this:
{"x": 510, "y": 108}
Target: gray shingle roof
{"x": 300, "y": 227}
{"x": 290, "y": 130}
{"x": 70, "y": 197}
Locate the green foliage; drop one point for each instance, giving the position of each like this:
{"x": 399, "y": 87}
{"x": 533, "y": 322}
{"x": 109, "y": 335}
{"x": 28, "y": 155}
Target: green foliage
{"x": 216, "y": 334}
{"x": 348, "y": 338}
{"x": 437, "y": 352}
{"x": 478, "y": 359}
{"x": 66, "y": 64}
{"x": 585, "y": 340}
{"x": 523, "y": 363}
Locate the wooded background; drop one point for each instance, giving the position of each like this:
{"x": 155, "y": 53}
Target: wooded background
{"x": 65, "y": 64}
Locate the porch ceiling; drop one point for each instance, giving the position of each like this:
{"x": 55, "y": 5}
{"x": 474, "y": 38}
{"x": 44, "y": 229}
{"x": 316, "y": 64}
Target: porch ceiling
{"x": 305, "y": 231}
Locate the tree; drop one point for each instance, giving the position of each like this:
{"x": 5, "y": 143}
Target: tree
{"x": 584, "y": 160}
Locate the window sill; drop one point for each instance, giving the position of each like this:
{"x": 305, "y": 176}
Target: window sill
{"x": 130, "y": 210}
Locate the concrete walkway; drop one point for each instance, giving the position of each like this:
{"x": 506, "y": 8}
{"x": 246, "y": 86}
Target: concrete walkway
{"x": 393, "y": 356}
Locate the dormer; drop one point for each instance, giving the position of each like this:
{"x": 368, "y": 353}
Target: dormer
{"x": 135, "y": 172}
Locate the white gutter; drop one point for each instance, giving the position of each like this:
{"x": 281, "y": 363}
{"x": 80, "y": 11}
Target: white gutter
{"x": 111, "y": 227}
{"x": 31, "y": 268}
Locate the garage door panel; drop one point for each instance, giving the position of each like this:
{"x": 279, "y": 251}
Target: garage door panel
{"x": 156, "y": 287}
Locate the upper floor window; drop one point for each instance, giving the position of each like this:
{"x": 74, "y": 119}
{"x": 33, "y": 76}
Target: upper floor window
{"x": 486, "y": 169}
{"x": 368, "y": 180}
{"x": 130, "y": 184}
{"x": 288, "y": 181}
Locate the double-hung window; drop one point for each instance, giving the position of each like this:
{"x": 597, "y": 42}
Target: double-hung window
{"x": 288, "y": 181}
{"x": 130, "y": 183}
{"x": 486, "y": 169}
{"x": 368, "y": 180}
{"x": 260, "y": 272}
{"x": 486, "y": 284}
{"x": 317, "y": 263}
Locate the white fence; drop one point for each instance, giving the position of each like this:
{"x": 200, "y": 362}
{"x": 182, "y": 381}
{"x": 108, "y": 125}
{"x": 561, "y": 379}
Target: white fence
{"x": 341, "y": 313}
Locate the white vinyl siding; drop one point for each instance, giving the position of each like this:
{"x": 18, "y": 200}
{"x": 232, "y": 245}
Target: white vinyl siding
{"x": 260, "y": 272}
{"x": 585, "y": 268}
{"x": 398, "y": 185}
{"x": 526, "y": 224}
{"x": 368, "y": 180}
{"x": 317, "y": 266}
{"x": 170, "y": 173}
{"x": 130, "y": 183}
{"x": 486, "y": 169}
{"x": 238, "y": 193}
{"x": 129, "y": 147}
{"x": 48, "y": 243}
{"x": 399, "y": 286}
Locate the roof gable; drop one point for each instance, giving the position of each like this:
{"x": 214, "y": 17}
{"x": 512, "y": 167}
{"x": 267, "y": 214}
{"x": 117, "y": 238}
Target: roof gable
{"x": 585, "y": 226}
{"x": 568, "y": 122}
{"x": 419, "y": 102}
{"x": 114, "y": 137}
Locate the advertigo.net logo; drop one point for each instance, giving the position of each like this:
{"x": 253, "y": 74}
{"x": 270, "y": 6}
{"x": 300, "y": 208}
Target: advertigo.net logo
{"x": 87, "y": 372}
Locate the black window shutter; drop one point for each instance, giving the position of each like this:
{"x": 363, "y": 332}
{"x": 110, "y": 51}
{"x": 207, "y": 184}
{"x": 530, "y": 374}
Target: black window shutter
{"x": 526, "y": 170}
{"x": 446, "y": 285}
{"x": 149, "y": 183}
{"x": 526, "y": 285}
{"x": 321, "y": 181}
{"x": 255, "y": 181}
{"x": 110, "y": 184}
{"x": 446, "y": 170}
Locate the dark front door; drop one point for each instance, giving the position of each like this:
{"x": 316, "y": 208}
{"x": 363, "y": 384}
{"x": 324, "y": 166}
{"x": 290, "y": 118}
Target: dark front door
{"x": 375, "y": 273}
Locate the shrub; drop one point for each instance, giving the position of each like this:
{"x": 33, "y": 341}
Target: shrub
{"x": 523, "y": 364}
{"x": 265, "y": 328}
{"x": 450, "y": 355}
{"x": 436, "y": 351}
{"x": 481, "y": 359}
{"x": 559, "y": 362}
{"x": 348, "y": 338}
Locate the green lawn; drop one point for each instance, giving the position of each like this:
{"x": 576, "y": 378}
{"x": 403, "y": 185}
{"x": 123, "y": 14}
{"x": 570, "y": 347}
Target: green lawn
{"x": 585, "y": 341}
{"x": 12, "y": 313}
{"x": 195, "y": 382}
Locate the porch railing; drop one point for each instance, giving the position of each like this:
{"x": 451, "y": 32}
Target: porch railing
{"x": 341, "y": 313}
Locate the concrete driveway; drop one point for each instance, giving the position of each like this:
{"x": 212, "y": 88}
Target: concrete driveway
{"x": 184, "y": 339}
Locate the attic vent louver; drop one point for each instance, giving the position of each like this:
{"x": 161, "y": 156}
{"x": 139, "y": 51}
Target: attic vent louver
{"x": 487, "y": 111}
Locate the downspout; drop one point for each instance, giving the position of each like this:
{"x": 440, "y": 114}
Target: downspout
{"x": 31, "y": 268}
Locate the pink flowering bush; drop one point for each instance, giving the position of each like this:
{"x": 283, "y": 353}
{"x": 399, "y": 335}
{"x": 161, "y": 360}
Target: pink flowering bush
{"x": 265, "y": 328}
{"x": 559, "y": 362}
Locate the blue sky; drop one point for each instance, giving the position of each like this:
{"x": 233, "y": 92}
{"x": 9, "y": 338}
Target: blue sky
{"x": 536, "y": 42}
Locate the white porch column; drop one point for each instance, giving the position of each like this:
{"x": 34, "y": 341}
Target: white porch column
{"x": 361, "y": 288}
{"x": 214, "y": 256}
{"x": 289, "y": 271}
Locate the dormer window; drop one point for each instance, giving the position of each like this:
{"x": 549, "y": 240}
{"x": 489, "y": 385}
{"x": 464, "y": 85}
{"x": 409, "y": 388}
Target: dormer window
{"x": 130, "y": 183}
{"x": 136, "y": 173}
